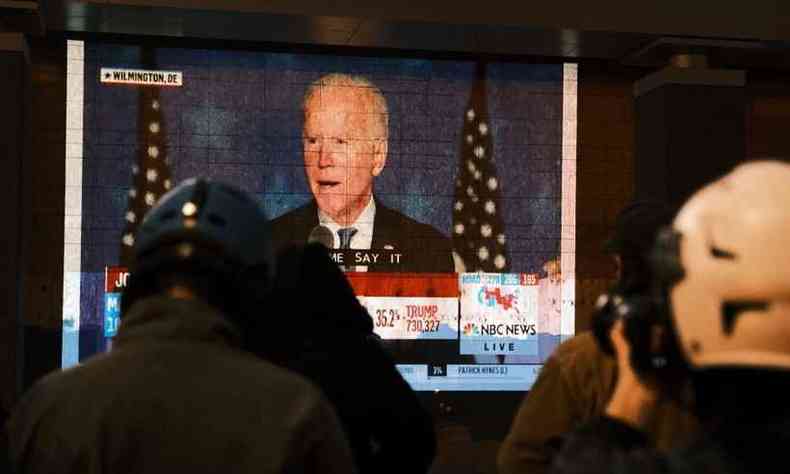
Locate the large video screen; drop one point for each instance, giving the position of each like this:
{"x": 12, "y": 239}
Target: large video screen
{"x": 445, "y": 189}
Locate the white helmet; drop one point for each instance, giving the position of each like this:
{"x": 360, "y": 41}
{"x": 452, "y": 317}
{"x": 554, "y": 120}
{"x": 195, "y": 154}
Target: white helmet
{"x": 730, "y": 303}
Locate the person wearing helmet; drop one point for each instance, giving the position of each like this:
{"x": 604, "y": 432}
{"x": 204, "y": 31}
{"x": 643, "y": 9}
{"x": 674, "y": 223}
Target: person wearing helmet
{"x": 723, "y": 300}
{"x": 578, "y": 379}
{"x": 178, "y": 393}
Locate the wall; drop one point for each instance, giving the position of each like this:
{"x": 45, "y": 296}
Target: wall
{"x": 768, "y": 116}
{"x": 606, "y": 159}
{"x": 41, "y": 211}
{"x": 13, "y": 71}
{"x": 605, "y": 180}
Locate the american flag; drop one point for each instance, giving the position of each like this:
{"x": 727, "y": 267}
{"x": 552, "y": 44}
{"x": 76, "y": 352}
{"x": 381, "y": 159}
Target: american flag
{"x": 479, "y": 240}
{"x": 150, "y": 173}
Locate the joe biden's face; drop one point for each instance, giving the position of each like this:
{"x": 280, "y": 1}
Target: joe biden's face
{"x": 345, "y": 148}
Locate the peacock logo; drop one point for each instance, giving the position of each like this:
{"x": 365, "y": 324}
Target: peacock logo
{"x": 471, "y": 329}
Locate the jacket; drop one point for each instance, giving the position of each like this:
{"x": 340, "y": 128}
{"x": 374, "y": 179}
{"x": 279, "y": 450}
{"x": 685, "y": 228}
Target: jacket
{"x": 331, "y": 342}
{"x": 573, "y": 388}
{"x": 606, "y": 445}
{"x": 176, "y": 394}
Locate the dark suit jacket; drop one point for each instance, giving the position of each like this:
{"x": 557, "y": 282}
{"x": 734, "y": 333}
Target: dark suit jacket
{"x": 424, "y": 248}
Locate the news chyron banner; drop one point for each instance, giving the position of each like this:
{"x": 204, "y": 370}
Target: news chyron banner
{"x": 115, "y": 279}
{"x": 409, "y": 305}
{"x": 499, "y": 314}
{"x": 395, "y": 301}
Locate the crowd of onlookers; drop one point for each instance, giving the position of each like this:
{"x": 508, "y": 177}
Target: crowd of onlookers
{"x": 686, "y": 370}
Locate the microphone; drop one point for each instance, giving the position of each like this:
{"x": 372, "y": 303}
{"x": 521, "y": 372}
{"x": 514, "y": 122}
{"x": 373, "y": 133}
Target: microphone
{"x": 322, "y": 235}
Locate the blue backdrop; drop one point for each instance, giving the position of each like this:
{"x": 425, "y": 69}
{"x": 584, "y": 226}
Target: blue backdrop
{"x": 238, "y": 118}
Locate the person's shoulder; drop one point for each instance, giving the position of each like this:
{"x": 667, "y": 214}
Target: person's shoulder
{"x": 296, "y": 215}
{"x": 58, "y": 388}
{"x": 63, "y": 380}
{"x": 580, "y": 346}
{"x": 581, "y": 362}
{"x": 581, "y": 355}
{"x": 406, "y": 224}
{"x": 294, "y": 226}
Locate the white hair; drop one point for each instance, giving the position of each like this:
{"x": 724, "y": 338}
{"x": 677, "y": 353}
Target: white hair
{"x": 360, "y": 83}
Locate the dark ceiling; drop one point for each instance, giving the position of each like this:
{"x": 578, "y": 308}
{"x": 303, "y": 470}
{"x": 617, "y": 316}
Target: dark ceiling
{"x": 753, "y": 34}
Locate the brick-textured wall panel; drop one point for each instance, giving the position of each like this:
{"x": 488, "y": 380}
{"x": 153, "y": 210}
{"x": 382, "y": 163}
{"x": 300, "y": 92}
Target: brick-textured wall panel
{"x": 40, "y": 212}
{"x": 46, "y": 242}
{"x": 45, "y": 172}
{"x": 12, "y": 79}
{"x": 605, "y": 179}
{"x": 767, "y": 118}
{"x": 606, "y": 160}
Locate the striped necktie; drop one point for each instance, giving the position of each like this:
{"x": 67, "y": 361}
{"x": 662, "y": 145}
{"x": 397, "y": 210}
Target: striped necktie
{"x": 346, "y": 234}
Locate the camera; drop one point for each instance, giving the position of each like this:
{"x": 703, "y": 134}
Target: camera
{"x": 655, "y": 353}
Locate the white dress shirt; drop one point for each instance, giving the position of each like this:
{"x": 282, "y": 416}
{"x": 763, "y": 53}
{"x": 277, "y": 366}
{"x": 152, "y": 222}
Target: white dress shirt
{"x": 362, "y": 239}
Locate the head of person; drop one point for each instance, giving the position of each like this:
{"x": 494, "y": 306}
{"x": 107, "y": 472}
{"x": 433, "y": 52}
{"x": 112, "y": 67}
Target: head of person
{"x": 345, "y": 139}
{"x": 203, "y": 240}
{"x": 632, "y": 241}
{"x": 723, "y": 270}
{"x": 310, "y": 287}
{"x": 631, "y": 244}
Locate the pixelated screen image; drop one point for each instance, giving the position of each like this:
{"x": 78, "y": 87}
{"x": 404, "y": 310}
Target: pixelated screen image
{"x": 445, "y": 189}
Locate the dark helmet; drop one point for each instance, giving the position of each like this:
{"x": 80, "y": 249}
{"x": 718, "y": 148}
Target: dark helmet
{"x": 636, "y": 227}
{"x": 635, "y": 232}
{"x": 202, "y": 227}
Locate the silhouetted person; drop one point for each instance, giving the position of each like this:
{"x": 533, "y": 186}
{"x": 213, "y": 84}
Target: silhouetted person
{"x": 722, "y": 276}
{"x": 177, "y": 393}
{"x": 325, "y": 334}
{"x": 578, "y": 379}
